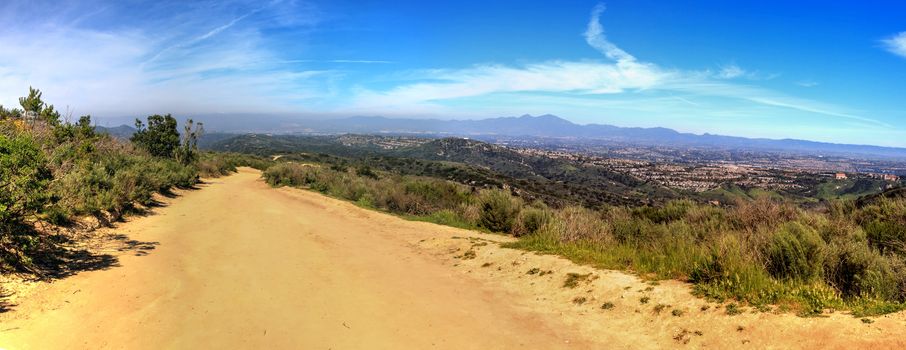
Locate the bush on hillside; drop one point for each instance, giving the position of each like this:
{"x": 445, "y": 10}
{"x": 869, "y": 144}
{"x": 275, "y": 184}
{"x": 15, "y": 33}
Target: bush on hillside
{"x": 856, "y": 270}
{"x": 530, "y": 220}
{"x": 761, "y": 213}
{"x": 796, "y": 252}
{"x": 24, "y": 178}
{"x": 575, "y": 224}
{"x": 498, "y": 210}
{"x": 884, "y": 223}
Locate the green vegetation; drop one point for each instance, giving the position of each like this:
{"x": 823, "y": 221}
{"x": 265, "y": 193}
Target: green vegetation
{"x": 24, "y": 178}
{"x": 474, "y": 163}
{"x": 732, "y": 310}
{"x": 498, "y": 211}
{"x": 53, "y": 171}
{"x": 849, "y": 188}
{"x": 160, "y": 138}
{"x": 574, "y": 279}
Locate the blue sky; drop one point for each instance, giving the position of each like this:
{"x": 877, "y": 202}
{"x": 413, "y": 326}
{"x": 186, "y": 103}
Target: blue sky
{"x": 820, "y": 70}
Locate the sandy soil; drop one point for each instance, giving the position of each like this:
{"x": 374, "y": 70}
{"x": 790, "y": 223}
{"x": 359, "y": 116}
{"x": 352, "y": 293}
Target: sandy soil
{"x": 240, "y": 265}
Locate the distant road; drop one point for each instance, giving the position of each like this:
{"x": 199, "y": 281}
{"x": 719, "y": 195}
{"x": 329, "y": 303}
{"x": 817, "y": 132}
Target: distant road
{"x": 239, "y": 265}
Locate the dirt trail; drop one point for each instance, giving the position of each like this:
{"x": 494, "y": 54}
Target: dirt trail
{"x": 240, "y": 265}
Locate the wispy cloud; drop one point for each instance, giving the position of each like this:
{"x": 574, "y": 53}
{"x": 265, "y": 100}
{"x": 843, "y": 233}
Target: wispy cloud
{"x": 179, "y": 57}
{"x": 808, "y": 106}
{"x": 339, "y": 61}
{"x": 624, "y": 75}
{"x": 896, "y": 44}
{"x": 594, "y": 36}
{"x": 731, "y": 71}
{"x": 199, "y": 38}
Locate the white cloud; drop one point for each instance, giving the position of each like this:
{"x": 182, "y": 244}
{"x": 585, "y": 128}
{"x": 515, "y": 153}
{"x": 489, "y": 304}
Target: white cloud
{"x": 200, "y": 38}
{"x": 731, "y": 71}
{"x": 625, "y": 75}
{"x": 188, "y": 60}
{"x": 339, "y": 61}
{"x": 555, "y": 76}
{"x": 896, "y": 44}
{"x": 594, "y": 36}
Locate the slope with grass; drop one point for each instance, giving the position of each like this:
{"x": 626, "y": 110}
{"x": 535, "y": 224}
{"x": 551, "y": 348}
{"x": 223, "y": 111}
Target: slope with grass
{"x": 566, "y": 181}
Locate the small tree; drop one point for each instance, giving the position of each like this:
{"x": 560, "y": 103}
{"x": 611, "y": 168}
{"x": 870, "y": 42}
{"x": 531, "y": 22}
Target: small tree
{"x": 83, "y": 128}
{"x": 160, "y": 138}
{"x": 188, "y": 150}
{"x": 34, "y": 106}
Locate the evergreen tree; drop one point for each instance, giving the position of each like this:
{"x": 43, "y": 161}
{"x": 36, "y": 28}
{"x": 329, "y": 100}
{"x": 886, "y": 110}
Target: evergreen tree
{"x": 160, "y": 138}
{"x": 35, "y": 107}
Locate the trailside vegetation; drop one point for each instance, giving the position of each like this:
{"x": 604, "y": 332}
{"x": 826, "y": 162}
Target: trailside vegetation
{"x": 765, "y": 252}
{"x": 53, "y": 170}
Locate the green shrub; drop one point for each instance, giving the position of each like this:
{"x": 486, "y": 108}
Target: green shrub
{"x": 761, "y": 213}
{"x": 113, "y": 183}
{"x": 290, "y": 174}
{"x": 672, "y": 211}
{"x": 856, "y": 270}
{"x": 574, "y": 224}
{"x": 430, "y": 195}
{"x": 498, "y": 210}
{"x": 24, "y": 178}
{"x": 728, "y": 272}
{"x": 530, "y": 220}
{"x": 884, "y": 222}
{"x": 365, "y": 171}
{"x": 448, "y": 217}
{"x": 796, "y": 252}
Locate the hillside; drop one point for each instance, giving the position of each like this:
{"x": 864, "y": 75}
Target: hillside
{"x": 554, "y": 180}
{"x": 121, "y": 132}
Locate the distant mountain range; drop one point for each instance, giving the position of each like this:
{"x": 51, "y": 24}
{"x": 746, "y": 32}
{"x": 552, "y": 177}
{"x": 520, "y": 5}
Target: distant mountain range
{"x": 545, "y": 126}
{"x": 550, "y": 126}
{"x": 122, "y": 131}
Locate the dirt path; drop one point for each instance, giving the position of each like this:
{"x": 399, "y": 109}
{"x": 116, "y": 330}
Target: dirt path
{"x": 240, "y": 265}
